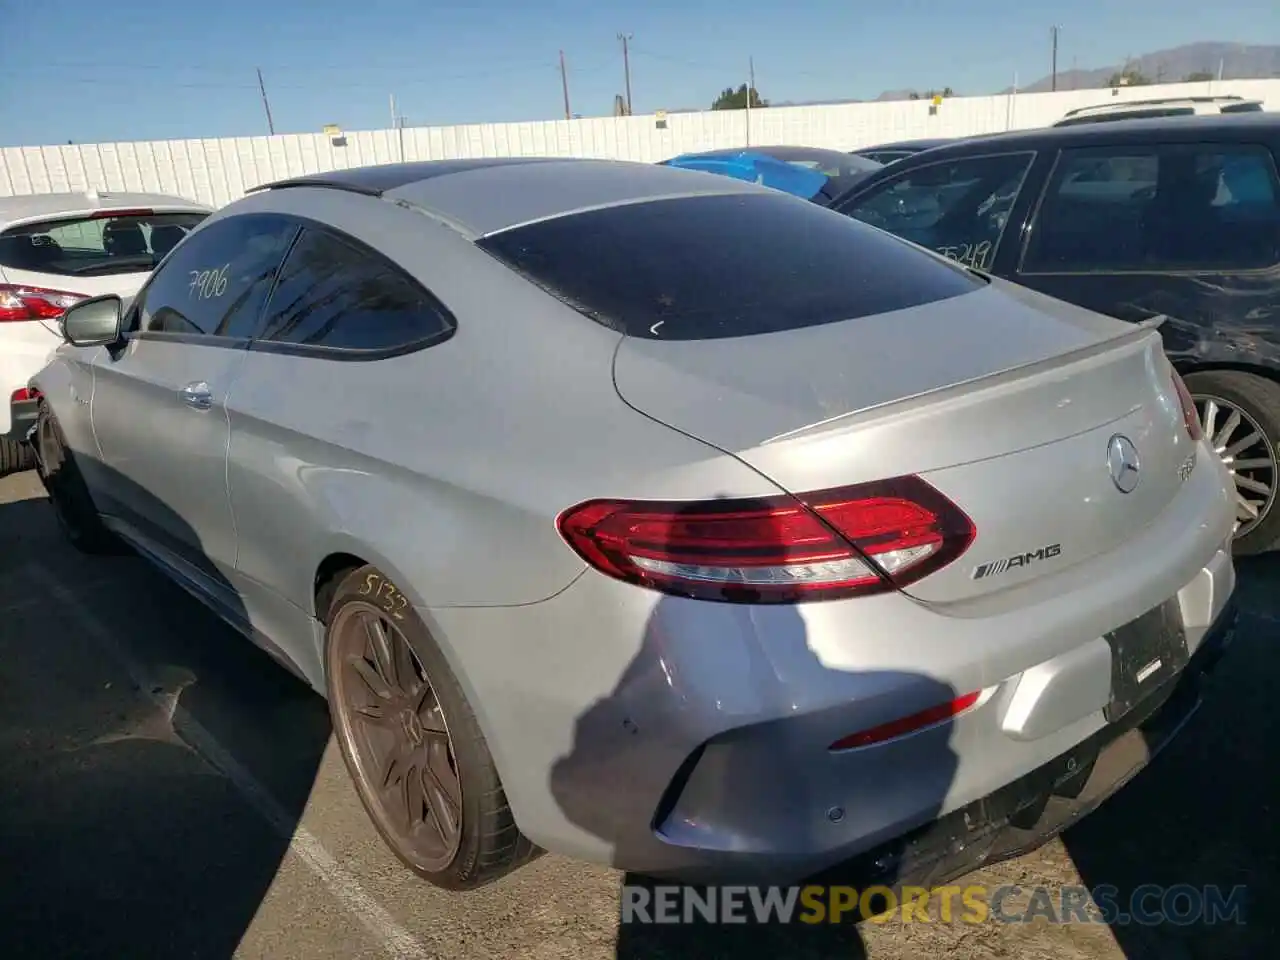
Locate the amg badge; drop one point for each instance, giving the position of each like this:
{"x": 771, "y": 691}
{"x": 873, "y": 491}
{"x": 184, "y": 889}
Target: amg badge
{"x": 1017, "y": 560}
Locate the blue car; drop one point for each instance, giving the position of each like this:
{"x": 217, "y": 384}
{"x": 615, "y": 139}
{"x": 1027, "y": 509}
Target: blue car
{"x": 817, "y": 175}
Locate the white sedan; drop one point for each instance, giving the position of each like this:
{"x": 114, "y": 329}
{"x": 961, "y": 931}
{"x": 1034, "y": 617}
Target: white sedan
{"x": 57, "y": 249}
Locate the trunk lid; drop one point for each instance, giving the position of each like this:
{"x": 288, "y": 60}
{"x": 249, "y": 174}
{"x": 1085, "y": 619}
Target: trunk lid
{"x": 1005, "y": 400}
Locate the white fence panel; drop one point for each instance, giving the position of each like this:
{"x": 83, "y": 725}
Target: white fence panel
{"x": 219, "y": 171}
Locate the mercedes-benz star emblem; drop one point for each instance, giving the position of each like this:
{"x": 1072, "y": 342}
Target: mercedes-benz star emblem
{"x": 1122, "y": 461}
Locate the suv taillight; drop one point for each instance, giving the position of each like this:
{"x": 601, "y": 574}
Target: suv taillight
{"x": 19, "y": 302}
{"x": 1189, "y": 415}
{"x": 851, "y": 541}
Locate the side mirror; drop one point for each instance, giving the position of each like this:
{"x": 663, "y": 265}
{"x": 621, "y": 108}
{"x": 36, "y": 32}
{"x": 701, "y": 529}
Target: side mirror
{"x": 93, "y": 323}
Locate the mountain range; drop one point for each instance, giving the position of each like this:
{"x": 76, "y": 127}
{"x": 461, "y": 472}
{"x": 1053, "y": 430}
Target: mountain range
{"x": 1233, "y": 61}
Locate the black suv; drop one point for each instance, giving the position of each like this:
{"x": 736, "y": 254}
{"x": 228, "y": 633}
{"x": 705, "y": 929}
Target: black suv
{"x": 1137, "y": 219}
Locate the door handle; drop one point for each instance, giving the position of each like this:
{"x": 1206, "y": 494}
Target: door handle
{"x": 197, "y": 395}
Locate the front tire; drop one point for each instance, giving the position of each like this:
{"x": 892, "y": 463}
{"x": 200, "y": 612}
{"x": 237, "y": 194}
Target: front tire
{"x": 411, "y": 742}
{"x": 72, "y": 503}
{"x": 1240, "y": 416}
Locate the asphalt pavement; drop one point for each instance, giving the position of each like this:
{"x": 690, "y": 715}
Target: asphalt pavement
{"x": 167, "y": 791}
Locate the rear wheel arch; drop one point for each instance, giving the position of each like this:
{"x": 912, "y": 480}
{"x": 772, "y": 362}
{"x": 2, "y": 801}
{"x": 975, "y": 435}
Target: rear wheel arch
{"x": 329, "y": 574}
{"x": 1193, "y": 367}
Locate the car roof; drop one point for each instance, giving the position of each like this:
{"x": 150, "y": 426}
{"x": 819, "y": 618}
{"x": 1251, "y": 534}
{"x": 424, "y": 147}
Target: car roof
{"x": 777, "y": 152}
{"x": 1137, "y": 131}
{"x": 483, "y": 196}
{"x": 47, "y": 206}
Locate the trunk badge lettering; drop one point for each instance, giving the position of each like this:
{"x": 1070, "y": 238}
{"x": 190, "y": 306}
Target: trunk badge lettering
{"x": 994, "y": 567}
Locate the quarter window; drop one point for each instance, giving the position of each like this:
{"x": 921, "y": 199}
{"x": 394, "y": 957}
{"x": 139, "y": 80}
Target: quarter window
{"x": 216, "y": 282}
{"x": 336, "y": 294}
{"x": 1153, "y": 208}
{"x": 957, "y": 207}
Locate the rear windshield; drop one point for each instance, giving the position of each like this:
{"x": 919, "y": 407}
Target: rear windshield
{"x": 698, "y": 268}
{"x": 99, "y": 245}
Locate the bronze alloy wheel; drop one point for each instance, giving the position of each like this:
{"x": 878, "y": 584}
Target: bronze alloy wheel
{"x": 395, "y": 736}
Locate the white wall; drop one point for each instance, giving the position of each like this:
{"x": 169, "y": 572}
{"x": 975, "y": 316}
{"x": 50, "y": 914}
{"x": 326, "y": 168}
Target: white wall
{"x": 217, "y": 171}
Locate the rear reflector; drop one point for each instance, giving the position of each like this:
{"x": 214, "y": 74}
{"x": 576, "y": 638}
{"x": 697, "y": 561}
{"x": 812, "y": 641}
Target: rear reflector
{"x": 909, "y": 724}
{"x": 851, "y": 541}
{"x": 34, "y": 303}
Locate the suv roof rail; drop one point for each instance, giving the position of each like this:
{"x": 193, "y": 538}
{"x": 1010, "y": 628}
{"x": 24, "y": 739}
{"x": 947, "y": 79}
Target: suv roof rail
{"x": 1154, "y": 102}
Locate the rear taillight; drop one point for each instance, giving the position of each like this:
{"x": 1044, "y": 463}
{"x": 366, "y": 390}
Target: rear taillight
{"x": 1189, "y": 415}
{"x": 850, "y": 541}
{"x": 23, "y": 394}
{"x": 19, "y": 302}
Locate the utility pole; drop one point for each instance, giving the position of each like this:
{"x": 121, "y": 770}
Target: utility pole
{"x": 564, "y": 83}
{"x": 751, "y": 86}
{"x": 397, "y": 124}
{"x": 1053, "y": 34}
{"x": 626, "y": 65}
{"x": 271, "y": 127}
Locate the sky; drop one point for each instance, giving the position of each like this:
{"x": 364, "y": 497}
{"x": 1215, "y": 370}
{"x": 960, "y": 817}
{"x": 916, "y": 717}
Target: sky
{"x": 113, "y": 70}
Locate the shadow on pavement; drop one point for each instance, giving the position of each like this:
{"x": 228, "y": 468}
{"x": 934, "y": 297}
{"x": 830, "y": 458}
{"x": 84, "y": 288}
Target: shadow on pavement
{"x": 1203, "y": 813}
{"x": 713, "y": 675}
{"x": 118, "y": 839}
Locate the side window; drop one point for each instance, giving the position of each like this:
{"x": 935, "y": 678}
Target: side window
{"x": 958, "y": 208}
{"x": 337, "y": 294}
{"x": 217, "y": 281}
{"x": 1158, "y": 207}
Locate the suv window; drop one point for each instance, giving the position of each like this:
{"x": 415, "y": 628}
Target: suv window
{"x": 1159, "y": 207}
{"x": 97, "y": 245}
{"x": 957, "y": 207}
{"x": 336, "y": 293}
{"x": 699, "y": 268}
{"x": 216, "y": 283}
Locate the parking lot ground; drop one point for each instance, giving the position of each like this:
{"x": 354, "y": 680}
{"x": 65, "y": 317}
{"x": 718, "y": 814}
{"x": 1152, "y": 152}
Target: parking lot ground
{"x": 167, "y": 791}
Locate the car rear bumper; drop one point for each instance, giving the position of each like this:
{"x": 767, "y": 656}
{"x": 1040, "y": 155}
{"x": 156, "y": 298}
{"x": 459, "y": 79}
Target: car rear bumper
{"x": 1035, "y": 808}
{"x": 688, "y": 739}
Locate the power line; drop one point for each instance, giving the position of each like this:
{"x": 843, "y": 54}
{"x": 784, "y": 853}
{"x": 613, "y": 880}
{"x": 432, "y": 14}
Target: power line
{"x": 232, "y": 85}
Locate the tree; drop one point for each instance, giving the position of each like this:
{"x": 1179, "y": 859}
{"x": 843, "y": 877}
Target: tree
{"x": 731, "y": 99}
{"x": 930, "y": 94}
{"x": 1128, "y": 78}
{"x": 1199, "y": 76}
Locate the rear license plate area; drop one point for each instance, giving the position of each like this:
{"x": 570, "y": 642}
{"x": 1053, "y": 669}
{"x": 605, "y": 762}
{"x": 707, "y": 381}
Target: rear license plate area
{"x": 1145, "y": 654}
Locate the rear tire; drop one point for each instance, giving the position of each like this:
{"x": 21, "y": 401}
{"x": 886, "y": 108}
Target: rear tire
{"x": 14, "y": 457}
{"x": 411, "y": 742}
{"x": 1234, "y": 406}
{"x": 72, "y": 503}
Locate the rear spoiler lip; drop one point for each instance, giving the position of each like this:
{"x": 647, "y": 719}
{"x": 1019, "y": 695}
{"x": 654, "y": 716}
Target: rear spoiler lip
{"x": 1127, "y": 339}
